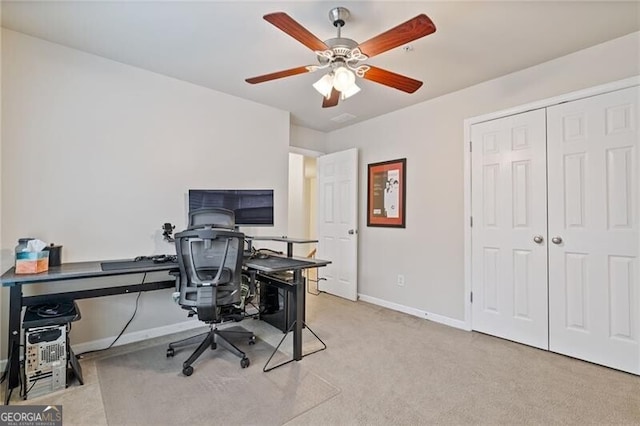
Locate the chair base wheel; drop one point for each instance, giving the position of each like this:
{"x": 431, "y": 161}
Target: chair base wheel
{"x": 244, "y": 362}
{"x": 187, "y": 371}
{"x": 252, "y": 340}
{"x": 170, "y": 353}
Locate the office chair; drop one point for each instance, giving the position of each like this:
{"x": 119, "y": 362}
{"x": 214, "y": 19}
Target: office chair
{"x": 210, "y": 264}
{"x": 219, "y": 217}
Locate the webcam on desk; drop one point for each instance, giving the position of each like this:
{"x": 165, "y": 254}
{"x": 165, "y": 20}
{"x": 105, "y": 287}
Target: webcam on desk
{"x": 167, "y": 229}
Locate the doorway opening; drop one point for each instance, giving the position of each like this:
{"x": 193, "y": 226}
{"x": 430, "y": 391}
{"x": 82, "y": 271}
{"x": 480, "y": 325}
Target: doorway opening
{"x": 302, "y": 209}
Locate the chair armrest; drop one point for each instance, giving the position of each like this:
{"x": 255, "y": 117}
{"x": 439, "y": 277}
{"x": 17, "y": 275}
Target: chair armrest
{"x": 176, "y": 274}
{"x": 176, "y": 294}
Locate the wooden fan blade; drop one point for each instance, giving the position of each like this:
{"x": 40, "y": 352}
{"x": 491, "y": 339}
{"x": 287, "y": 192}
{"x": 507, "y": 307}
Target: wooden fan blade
{"x": 332, "y": 100}
{"x": 276, "y": 75}
{"x": 392, "y": 79}
{"x": 413, "y": 29}
{"x": 295, "y": 30}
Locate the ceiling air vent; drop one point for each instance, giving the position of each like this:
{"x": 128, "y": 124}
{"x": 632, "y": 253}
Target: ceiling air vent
{"x": 343, "y": 117}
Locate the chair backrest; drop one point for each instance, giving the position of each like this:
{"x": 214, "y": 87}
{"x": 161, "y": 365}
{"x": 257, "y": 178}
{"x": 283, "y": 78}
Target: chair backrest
{"x": 214, "y": 217}
{"x": 210, "y": 263}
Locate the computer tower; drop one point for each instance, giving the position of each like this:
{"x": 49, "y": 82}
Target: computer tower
{"x": 45, "y": 364}
{"x": 277, "y": 302}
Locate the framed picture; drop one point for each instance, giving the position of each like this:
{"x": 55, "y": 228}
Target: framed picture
{"x": 386, "y": 194}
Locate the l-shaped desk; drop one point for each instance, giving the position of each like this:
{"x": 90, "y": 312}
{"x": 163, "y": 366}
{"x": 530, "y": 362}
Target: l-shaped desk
{"x": 262, "y": 268}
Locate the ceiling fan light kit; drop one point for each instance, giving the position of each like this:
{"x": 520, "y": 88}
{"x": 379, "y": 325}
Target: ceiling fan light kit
{"x": 349, "y": 92}
{"x": 343, "y": 56}
{"x": 343, "y": 79}
{"x": 324, "y": 85}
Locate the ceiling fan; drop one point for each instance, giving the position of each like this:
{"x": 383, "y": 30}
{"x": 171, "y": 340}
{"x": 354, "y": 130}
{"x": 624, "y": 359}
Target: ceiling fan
{"x": 344, "y": 57}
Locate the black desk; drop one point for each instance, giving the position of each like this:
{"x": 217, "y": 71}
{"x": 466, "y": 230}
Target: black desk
{"x": 266, "y": 270}
{"x": 84, "y": 270}
{"x": 67, "y": 271}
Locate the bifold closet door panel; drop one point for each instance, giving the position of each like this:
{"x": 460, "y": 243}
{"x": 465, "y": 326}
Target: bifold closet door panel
{"x": 509, "y": 232}
{"x": 594, "y": 281}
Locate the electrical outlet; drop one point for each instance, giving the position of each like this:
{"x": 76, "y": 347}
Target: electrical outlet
{"x": 400, "y": 280}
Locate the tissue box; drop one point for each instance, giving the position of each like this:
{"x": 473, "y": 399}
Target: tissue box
{"x": 32, "y": 262}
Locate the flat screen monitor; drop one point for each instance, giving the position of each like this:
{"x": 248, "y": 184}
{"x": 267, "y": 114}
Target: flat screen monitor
{"x": 252, "y": 207}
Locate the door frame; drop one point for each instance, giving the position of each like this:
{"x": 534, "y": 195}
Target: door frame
{"x": 572, "y": 96}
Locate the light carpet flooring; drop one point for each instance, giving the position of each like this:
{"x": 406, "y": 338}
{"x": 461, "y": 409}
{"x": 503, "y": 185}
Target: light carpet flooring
{"x": 395, "y": 369}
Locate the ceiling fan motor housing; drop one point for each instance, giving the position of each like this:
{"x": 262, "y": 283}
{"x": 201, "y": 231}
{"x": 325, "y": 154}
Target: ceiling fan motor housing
{"x": 341, "y": 47}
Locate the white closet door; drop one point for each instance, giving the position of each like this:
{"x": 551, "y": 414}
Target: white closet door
{"x": 509, "y": 241}
{"x": 594, "y": 294}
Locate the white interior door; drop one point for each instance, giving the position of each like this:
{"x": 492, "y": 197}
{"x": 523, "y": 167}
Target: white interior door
{"x": 594, "y": 281}
{"x": 337, "y": 219}
{"x": 509, "y": 241}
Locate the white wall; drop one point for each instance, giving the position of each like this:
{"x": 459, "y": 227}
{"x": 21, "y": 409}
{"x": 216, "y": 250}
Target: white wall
{"x": 309, "y": 139}
{"x": 430, "y": 251}
{"x": 97, "y": 155}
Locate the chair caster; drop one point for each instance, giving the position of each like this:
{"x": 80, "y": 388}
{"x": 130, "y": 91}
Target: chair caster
{"x": 244, "y": 362}
{"x": 170, "y": 353}
{"x": 187, "y": 371}
{"x": 252, "y": 340}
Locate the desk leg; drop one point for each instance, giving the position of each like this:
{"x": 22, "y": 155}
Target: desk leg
{"x": 297, "y": 326}
{"x": 299, "y": 300}
{"x": 13, "y": 341}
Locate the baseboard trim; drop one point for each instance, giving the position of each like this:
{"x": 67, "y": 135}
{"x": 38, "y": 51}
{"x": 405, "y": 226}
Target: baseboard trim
{"x": 441, "y": 319}
{"x": 136, "y": 336}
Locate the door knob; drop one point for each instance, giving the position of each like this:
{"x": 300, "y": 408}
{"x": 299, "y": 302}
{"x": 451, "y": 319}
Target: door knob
{"x": 538, "y": 239}
{"x": 556, "y": 240}
{"x": 352, "y": 231}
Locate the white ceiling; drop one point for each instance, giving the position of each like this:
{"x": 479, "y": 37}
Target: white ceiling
{"x": 217, "y": 44}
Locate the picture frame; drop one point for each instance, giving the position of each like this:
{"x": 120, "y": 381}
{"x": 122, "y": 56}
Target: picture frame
{"x": 386, "y": 193}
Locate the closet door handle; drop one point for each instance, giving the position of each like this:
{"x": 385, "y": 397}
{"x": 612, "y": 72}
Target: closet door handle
{"x": 556, "y": 240}
{"x": 538, "y": 239}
